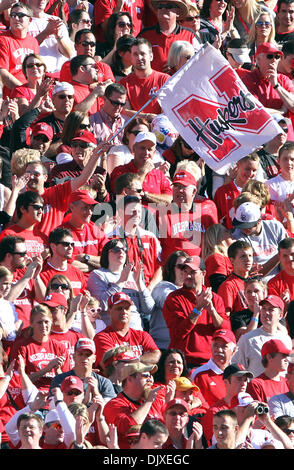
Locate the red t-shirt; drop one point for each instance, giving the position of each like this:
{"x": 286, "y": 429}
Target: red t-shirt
{"x": 118, "y": 411}
{"x": 13, "y": 50}
{"x": 139, "y": 341}
{"x": 88, "y": 240}
{"x": 281, "y": 282}
{"x": 184, "y": 230}
{"x": 23, "y": 91}
{"x": 155, "y": 181}
{"x": 210, "y": 383}
{"x": 68, "y": 339}
{"x": 38, "y": 355}
{"x": 138, "y": 90}
{"x": 82, "y": 92}
{"x": 193, "y": 339}
{"x": 232, "y": 293}
{"x": 7, "y": 410}
{"x": 104, "y": 72}
{"x": 217, "y": 264}
{"x": 262, "y": 388}
{"x": 35, "y": 240}
{"x": 56, "y": 11}
{"x": 224, "y": 198}
{"x": 75, "y": 276}
{"x": 161, "y": 43}
{"x": 56, "y": 203}
{"x": 24, "y": 303}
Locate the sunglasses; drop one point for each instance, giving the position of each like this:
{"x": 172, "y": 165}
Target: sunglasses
{"x": 82, "y": 145}
{"x": 37, "y": 207}
{"x": 288, "y": 431}
{"x": 86, "y": 21}
{"x": 85, "y": 126}
{"x": 42, "y": 138}
{"x": 96, "y": 310}
{"x": 285, "y": 129}
{"x": 118, "y": 249}
{"x": 18, "y": 15}
{"x": 273, "y": 56}
{"x": 166, "y": 6}
{"x": 122, "y": 24}
{"x": 88, "y": 43}
{"x": 190, "y": 19}
{"x": 56, "y": 286}
{"x": 63, "y": 97}
{"x": 187, "y": 146}
{"x": 139, "y": 191}
{"x": 134, "y": 132}
{"x": 34, "y": 173}
{"x": 93, "y": 66}
{"x": 117, "y": 103}
{"x": 66, "y": 244}
{"x": 179, "y": 266}
{"x": 36, "y": 64}
{"x": 263, "y": 23}
{"x": 73, "y": 392}
{"x": 19, "y": 253}
{"x": 182, "y": 414}
{"x": 56, "y": 426}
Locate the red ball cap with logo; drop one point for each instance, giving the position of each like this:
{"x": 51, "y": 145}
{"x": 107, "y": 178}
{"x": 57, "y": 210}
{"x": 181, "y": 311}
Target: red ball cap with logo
{"x": 194, "y": 263}
{"x": 84, "y": 344}
{"x": 72, "y": 383}
{"x": 55, "y": 300}
{"x": 185, "y": 178}
{"x": 84, "y": 196}
{"x": 85, "y": 136}
{"x": 274, "y": 300}
{"x": 177, "y": 402}
{"x": 42, "y": 128}
{"x": 268, "y": 48}
{"x": 273, "y": 346}
{"x": 227, "y": 335}
{"x": 117, "y": 298}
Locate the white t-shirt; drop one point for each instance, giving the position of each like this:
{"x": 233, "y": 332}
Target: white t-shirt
{"x": 49, "y": 51}
{"x": 8, "y": 317}
{"x": 280, "y": 188}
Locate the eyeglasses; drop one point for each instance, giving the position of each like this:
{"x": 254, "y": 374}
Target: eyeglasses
{"x": 166, "y": 6}
{"x": 82, "y": 145}
{"x": 273, "y": 56}
{"x": 139, "y": 191}
{"x": 19, "y": 253}
{"x": 285, "y": 129}
{"x": 146, "y": 375}
{"x": 116, "y": 103}
{"x": 88, "y": 43}
{"x": 93, "y": 66}
{"x": 34, "y": 173}
{"x": 288, "y": 431}
{"x": 86, "y": 21}
{"x": 37, "y": 207}
{"x": 66, "y": 244}
{"x": 35, "y": 64}
{"x": 95, "y": 310}
{"x": 179, "y": 266}
{"x": 42, "y": 138}
{"x": 118, "y": 249}
{"x": 56, "y": 426}
{"x": 63, "y": 97}
{"x": 56, "y": 286}
{"x": 18, "y": 15}
{"x": 73, "y": 392}
{"x": 85, "y": 126}
{"x": 122, "y": 24}
{"x": 263, "y": 23}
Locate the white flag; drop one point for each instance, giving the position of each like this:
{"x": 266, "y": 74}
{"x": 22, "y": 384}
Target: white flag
{"x": 214, "y": 112}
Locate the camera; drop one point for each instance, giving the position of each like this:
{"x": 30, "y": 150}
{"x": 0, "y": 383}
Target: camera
{"x": 261, "y": 409}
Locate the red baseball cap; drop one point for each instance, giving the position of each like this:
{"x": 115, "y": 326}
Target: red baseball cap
{"x": 185, "y": 178}
{"x": 55, "y": 300}
{"x": 268, "y": 48}
{"x": 193, "y": 263}
{"x": 175, "y": 402}
{"x": 85, "y": 344}
{"x": 273, "y": 346}
{"x": 82, "y": 195}
{"x": 117, "y": 298}
{"x": 72, "y": 382}
{"x": 85, "y": 136}
{"x": 227, "y": 335}
{"x": 274, "y": 300}
{"x": 42, "y": 128}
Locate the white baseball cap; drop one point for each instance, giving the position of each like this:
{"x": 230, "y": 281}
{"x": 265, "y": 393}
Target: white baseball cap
{"x": 247, "y": 215}
{"x": 142, "y": 136}
{"x": 63, "y": 86}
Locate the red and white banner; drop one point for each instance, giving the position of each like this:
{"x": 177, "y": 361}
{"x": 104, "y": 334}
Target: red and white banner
{"x": 214, "y": 112}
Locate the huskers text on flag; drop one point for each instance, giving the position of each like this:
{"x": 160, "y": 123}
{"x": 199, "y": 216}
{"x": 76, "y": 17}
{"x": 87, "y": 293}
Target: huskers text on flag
{"x": 214, "y": 112}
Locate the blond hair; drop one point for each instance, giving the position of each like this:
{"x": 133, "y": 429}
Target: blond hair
{"x": 21, "y": 158}
{"x": 5, "y": 272}
{"x": 191, "y": 167}
{"x": 252, "y": 32}
{"x": 246, "y": 197}
{"x": 212, "y": 240}
{"x": 258, "y": 189}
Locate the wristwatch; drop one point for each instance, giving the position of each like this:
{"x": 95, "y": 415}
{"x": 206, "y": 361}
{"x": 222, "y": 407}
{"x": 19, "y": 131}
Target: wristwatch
{"x": 86, "y": 259}
{"x": 195, "y": 310}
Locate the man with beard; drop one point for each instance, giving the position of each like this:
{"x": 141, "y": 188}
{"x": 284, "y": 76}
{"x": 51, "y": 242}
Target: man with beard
{"x": 136, "y": 403}
{"x": 193, "y": 313}
{"x": 209, "y": 377}
{"x": 143, "y": 81}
